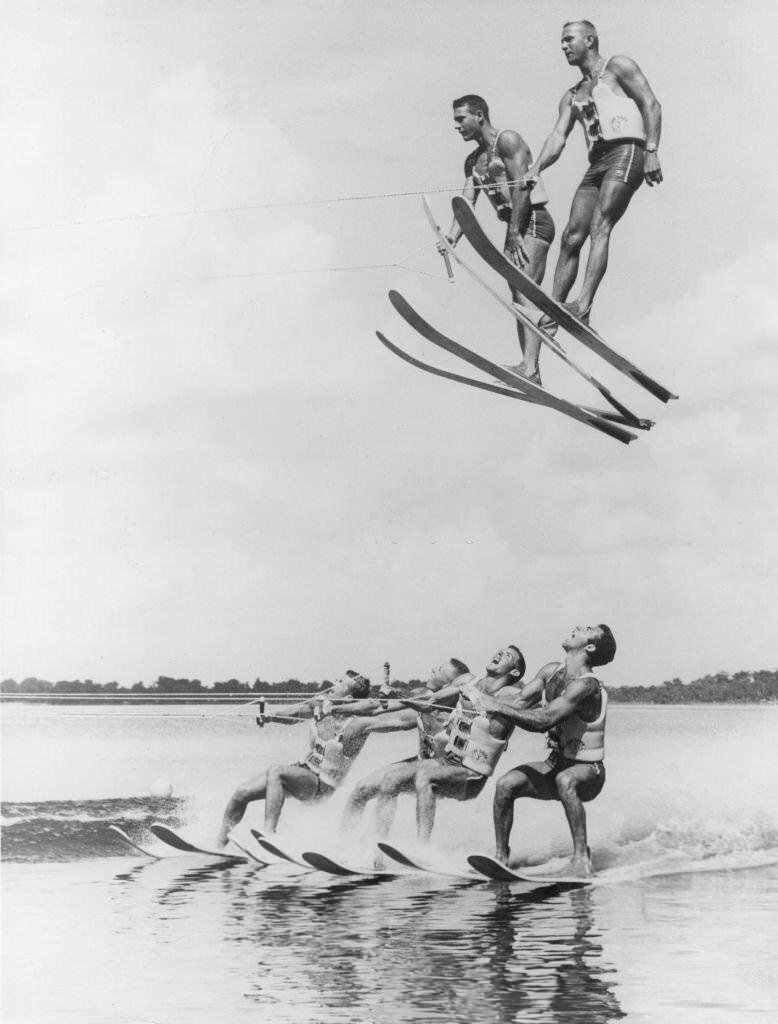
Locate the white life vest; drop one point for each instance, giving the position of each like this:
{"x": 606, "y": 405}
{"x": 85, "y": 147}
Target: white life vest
{"x": 576, "y": 739}
{"x": 483, "y": 751}
{"x": 607, "y": 115}
{"x": 327, "y": 758}
{"x": 469, "y": 740}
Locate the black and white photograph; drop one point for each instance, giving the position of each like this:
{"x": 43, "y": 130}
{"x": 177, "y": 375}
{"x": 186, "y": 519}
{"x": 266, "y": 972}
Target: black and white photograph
{"x": 388, "y": 485}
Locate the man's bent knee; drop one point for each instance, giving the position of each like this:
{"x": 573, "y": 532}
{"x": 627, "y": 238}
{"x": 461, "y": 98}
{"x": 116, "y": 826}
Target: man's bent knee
{"x": 508, "y": 789}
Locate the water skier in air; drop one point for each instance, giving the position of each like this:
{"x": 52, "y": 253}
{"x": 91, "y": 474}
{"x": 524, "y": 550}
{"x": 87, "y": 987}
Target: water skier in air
{"x": 622, "y": 120}
{"x": 567, "y": 702}
{"x": 501, "y": 158}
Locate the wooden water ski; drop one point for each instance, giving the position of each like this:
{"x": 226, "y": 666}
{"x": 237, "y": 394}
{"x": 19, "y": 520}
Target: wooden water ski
{"x": 132, "y": 844}
{"x": 516, "y": 278}
{"x": 626, "y": 415}
{"x": 178, "y": 842}
{"x": 496, "y": 389}
{"x": 321, "y": 862}
{"x": 532, "y": 391}
{"x": 499, "y": 872}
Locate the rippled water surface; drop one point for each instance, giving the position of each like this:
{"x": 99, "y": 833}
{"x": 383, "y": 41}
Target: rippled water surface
{"x": 93, "y": 933}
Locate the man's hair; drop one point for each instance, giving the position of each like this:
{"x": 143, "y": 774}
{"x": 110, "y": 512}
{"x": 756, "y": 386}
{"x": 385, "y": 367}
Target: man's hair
{"x": 361, "y": 684}
{"x": 604, "y": 647}
{"x": 474, "y": 103}
{"x": 460, "y": 666}
{"x": 521, "y": 666}
{"x": 588, "y": 28}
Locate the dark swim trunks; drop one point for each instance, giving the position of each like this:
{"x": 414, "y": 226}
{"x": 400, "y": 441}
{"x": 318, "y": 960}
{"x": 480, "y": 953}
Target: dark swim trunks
{"x": 543, "y": 776}
{"x": 615, "y": 160}
{"x": 541, "y": 225}
{"x": 323, "y": 789}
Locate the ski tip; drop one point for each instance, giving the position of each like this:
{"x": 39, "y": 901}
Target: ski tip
{"x": 657, "y": 390}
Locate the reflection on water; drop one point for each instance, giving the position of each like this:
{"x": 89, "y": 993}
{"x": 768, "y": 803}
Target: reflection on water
{"x": 404, "y": 950}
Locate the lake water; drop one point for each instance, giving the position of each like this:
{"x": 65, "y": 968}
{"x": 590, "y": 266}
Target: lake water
{"x": 94, "y": 933}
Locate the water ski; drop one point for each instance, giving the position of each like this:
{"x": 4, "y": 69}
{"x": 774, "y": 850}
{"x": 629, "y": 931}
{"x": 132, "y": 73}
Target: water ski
{"x": 171, "y": 838}
{"x": 273, "y": 846}
{"x": 321, "y": 862}
{"x": 136, "y": 847}
{"x": 499, "y": 872}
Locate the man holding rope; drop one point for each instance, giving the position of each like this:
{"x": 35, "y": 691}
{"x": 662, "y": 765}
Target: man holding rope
{"x": 334, "y": 746}
{"x": 500, "y": 159}
{"x": 568, "y": 702}
{"x": 385, "y": 784}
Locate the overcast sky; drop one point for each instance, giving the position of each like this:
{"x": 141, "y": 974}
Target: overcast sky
{"x": 211, "y": 468}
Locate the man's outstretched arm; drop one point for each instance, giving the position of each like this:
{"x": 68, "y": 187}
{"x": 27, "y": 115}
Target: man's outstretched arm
{"x": 552, "y": 148}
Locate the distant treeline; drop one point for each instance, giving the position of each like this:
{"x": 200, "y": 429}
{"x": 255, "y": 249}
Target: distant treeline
{"x": 722, "y": 688}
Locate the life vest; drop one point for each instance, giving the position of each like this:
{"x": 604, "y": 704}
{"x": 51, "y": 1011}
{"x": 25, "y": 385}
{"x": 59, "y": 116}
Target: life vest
{"x": 575, "y": 739}
{"x": 493, "y": 187}
{"x": 327, "y": 758}
{"x": 607, "y": 115}
{"x": 469, "y": 740}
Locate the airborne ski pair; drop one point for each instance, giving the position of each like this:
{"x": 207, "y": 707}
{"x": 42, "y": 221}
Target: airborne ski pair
{"x": 618, "y": 422}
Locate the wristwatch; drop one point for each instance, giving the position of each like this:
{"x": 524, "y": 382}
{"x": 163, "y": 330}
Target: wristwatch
{"x": 651, "y": 147}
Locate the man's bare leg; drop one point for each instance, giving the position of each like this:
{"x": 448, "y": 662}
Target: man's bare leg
{"x": 613, "y": 201}
{"x": 529, "y": 342}
{"x": 366, "y": 789}
{"x": 436, "y": 780}
{"x": 291, "y": 779}
{"x": 576, "y": 232}
{"x": 400, "y": 779}
{"x": 574, "y": 785}
{"x": 246, "y": 792}
{"x": 529, "y": 780}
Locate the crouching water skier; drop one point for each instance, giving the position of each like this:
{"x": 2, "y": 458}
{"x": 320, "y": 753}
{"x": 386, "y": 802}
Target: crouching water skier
{"x": 386, "y": 784}
{"x": 466, "y": 752}
{"x": 569, "y": 703}
{"x": 334, "y": 746}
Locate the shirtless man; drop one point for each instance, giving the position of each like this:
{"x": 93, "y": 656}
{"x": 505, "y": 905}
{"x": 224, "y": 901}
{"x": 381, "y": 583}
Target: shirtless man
{"x": 386, "y": 784}
{"x": 567, "y": 702}
{"x": 500, "y": 159}
{"x": 622, "y": 120}
{"x": 335, "y": 745}
{"x": 468, "y": 749}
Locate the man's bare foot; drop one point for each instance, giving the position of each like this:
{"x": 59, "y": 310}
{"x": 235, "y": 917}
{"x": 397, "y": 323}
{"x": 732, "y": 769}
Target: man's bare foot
{"x": 575, "y": 867}
{"x": 578, "y": 311}
{"x": 503, "y": 856}
{"x": 549, "y": 325}
{"x": 533, "y": 376}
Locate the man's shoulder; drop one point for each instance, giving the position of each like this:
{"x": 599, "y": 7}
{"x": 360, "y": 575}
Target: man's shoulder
{"x": 620, "y": 64}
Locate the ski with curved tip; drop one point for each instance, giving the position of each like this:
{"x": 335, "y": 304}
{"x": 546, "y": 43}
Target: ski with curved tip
{"x": 278, "y": 851}
{"x": 414, "y": 865}
{"x": 627, "y": 416}
{"x": 320, "y": 862}
{"x": 496, "y": 389}
{"x": 171, "y": 838}
{"x": 534, "y": 393}
{"x": 494, "y": 869}
{"x": 516, "y": 278}
{"x": 132, "y": 844}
